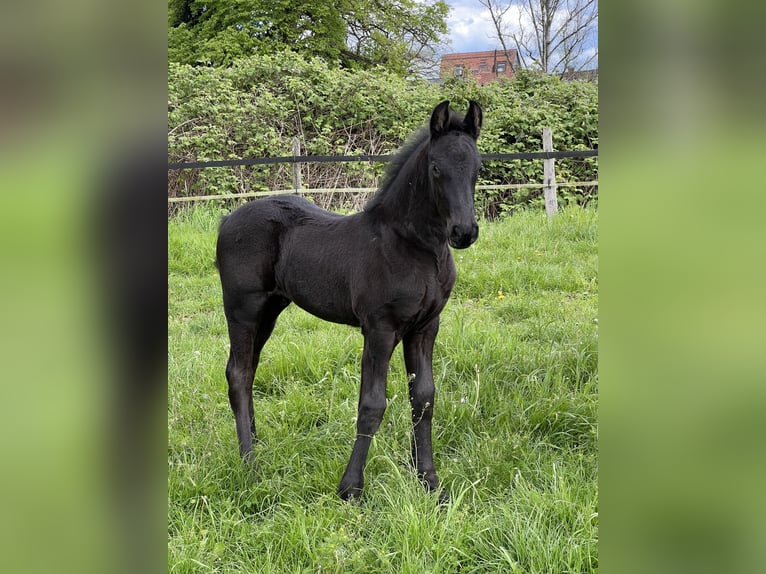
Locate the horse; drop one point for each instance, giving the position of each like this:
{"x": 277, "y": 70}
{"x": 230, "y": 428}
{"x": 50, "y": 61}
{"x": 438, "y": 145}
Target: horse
{"x": 387, "y": 269}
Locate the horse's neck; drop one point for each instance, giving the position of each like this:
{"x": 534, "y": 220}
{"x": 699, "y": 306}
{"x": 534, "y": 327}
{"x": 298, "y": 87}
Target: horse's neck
{"x": 411, "y": 209}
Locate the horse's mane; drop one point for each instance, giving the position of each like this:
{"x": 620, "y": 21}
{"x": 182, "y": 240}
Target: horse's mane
{"x": 408, "y": 149}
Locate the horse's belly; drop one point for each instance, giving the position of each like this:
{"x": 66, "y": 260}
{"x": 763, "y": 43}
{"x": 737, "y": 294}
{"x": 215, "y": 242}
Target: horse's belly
{"x": 326, "y": 309}
{"x": 318, "y": 291}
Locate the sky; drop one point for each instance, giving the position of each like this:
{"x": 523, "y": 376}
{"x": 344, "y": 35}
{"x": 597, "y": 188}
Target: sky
{"x": 471, "y": 29}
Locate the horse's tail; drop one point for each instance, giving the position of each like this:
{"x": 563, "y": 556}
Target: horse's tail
{"x": 220, "y": 225}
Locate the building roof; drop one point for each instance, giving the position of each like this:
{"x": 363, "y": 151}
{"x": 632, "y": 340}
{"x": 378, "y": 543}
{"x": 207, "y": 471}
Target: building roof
{"x": 484, "y": 54}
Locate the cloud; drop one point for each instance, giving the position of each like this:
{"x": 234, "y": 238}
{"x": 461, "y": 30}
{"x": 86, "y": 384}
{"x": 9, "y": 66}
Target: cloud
{"x": 470, "y": 27}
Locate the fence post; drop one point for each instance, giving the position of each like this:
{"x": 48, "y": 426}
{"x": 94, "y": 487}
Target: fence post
{"x": 549, "y": 176}
{"x": 297, "y": 166}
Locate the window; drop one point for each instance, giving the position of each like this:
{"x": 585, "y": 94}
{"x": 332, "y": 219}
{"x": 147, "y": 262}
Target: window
{"x": 458, "y": 71}
{"x": 501, "y": 67}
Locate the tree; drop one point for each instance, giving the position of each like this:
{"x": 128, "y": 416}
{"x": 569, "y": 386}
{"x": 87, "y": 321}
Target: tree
{"x": 553, "y": 36}
{"x": 401, "y": 36}
{"x": 217, "y": 32}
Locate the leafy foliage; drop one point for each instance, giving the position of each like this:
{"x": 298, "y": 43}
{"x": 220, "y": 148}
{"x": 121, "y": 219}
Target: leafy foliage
{"x": 355, "y": 33}
{"x": 400, "y": 35}
{"x": 257, "y": 106}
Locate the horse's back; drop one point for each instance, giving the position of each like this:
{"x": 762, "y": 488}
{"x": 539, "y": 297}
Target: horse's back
{"x": 264, "y": 220}
{"x": 281, "y": 212}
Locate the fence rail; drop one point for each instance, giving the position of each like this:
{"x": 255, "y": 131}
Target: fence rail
{"x": 548, "y": 185}
{"x": 368, "y": 158}
{"x": 308, "y": 190}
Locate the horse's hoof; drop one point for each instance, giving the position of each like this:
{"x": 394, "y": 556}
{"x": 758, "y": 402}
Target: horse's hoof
{"x": 431, "y": 483}
{"x": 429, "y": 480}
{"x": 350, "y": 495}
{"x": 350, "y": 492}
{"x": 249, "y": 462}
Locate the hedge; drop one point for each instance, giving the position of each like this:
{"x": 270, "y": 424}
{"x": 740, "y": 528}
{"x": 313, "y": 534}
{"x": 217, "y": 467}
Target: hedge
{"x": 256, "y": 108}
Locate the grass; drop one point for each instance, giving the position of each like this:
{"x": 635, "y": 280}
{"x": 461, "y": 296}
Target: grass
{"x": 515, "y": 428}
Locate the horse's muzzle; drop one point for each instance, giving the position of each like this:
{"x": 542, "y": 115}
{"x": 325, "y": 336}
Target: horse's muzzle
{"x": 462, "y": 236}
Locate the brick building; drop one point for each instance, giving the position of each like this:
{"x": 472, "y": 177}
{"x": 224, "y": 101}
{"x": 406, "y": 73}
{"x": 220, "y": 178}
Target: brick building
{"x": 484, "y": 66}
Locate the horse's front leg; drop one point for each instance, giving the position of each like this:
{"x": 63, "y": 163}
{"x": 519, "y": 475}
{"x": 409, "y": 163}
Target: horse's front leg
{"x": 418, "y": 355}
{"x": 378, "y": 346}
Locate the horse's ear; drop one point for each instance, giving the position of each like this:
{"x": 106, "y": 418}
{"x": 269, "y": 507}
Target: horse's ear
{"x": 440, "y": 119}
{"x": 473, "y": 119}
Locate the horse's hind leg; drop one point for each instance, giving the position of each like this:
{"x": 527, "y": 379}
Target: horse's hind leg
{"x": 247, "y": 340}
{"x": 239, "y": 373}
{"x": 268, "y": 319}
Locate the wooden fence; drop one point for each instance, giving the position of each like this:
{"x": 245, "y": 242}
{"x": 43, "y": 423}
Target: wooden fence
{"x": 549, "y": 184}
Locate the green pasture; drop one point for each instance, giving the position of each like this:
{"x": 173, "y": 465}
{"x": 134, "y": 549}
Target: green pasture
{"x": 515, "y": 424}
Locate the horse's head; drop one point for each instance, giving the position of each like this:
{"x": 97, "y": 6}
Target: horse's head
{"x": 454, "y": 167}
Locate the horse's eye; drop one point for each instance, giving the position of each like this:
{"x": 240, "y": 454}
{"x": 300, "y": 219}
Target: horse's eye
{"x": 435, "y": 170}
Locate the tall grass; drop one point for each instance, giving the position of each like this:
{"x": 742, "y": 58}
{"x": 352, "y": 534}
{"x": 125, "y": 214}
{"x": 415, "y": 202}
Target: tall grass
{"x": 514, "y": 431}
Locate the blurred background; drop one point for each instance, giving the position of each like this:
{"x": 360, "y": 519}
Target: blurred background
{"x": 681, "y": 242}
{"x": 82, "y": 286}
{"x": 83, "y": 113}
